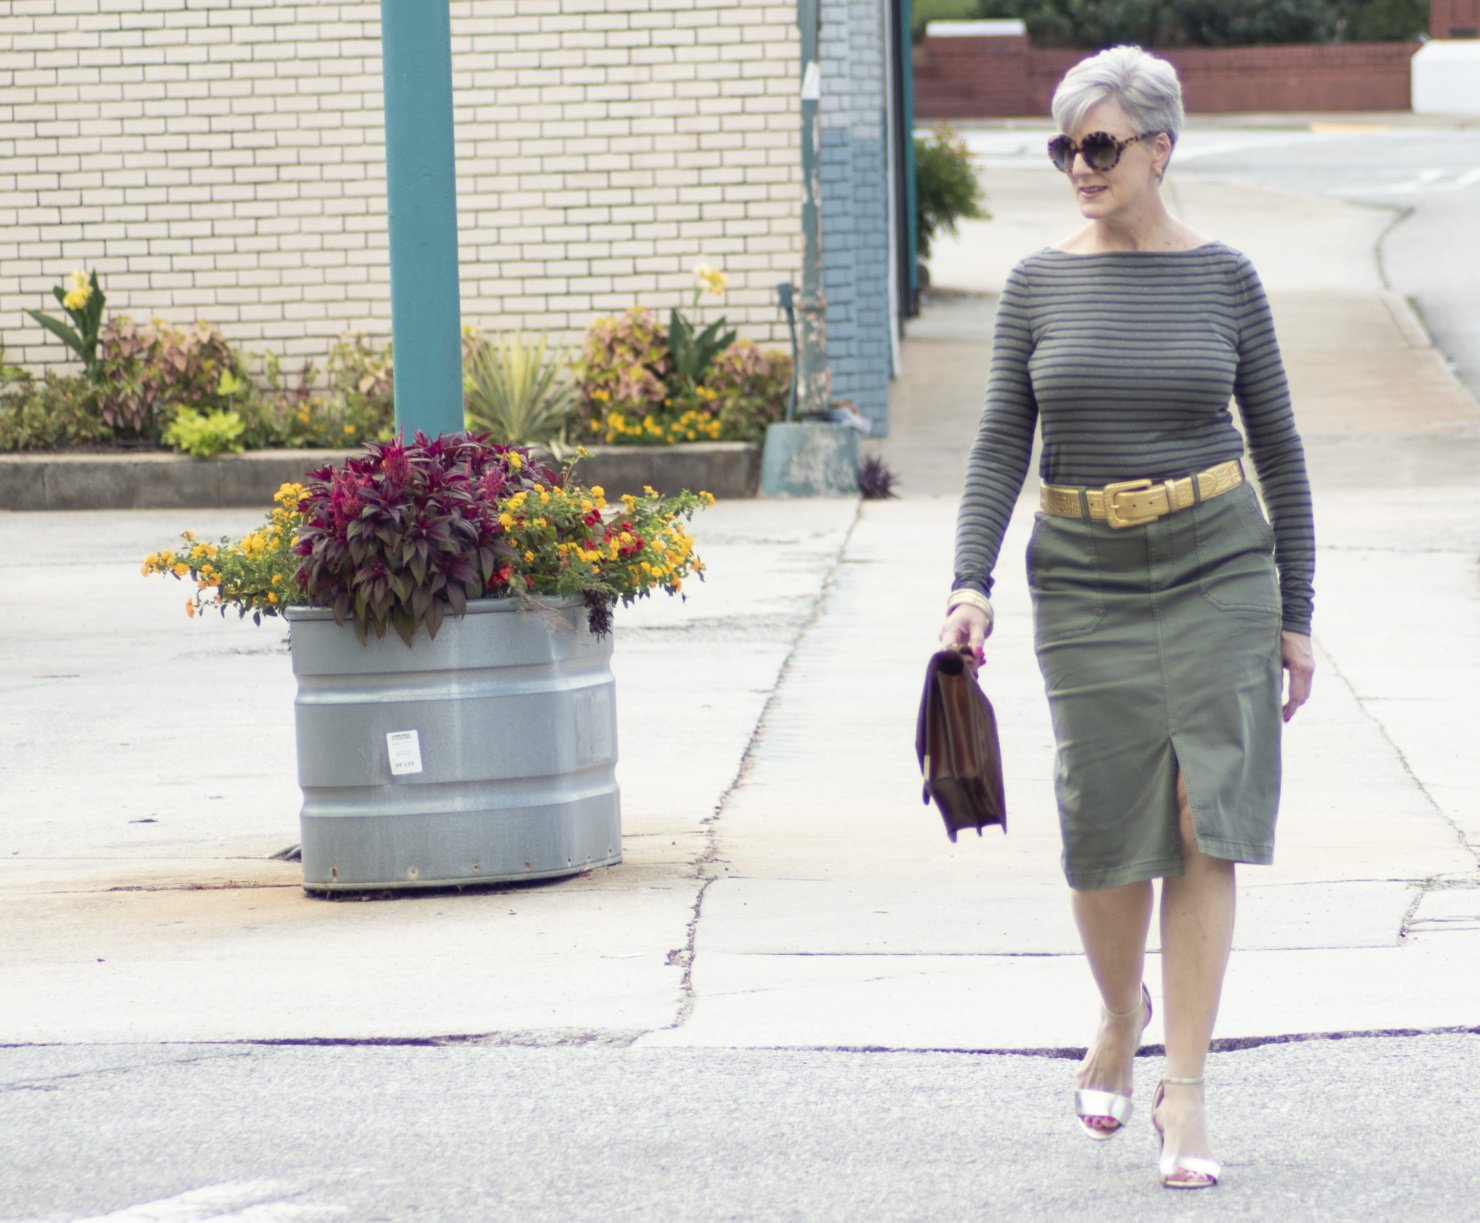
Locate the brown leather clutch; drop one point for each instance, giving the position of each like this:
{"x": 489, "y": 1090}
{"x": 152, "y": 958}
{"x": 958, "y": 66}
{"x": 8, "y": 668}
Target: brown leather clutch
{"x": 956, "y": 741}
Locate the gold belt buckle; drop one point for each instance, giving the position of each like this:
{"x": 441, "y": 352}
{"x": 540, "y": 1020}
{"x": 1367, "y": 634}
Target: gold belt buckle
{"x": 1133, "y": 517}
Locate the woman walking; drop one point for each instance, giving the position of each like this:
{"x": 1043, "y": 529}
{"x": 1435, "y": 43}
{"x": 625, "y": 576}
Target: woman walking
{"x": 1164, "y": 605}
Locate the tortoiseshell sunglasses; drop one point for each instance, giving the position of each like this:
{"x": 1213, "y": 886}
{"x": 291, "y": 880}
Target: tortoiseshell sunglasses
{"x": 1101, "y": 150}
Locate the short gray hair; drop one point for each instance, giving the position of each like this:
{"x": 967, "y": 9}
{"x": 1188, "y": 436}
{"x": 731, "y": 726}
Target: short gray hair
{"x": 1145, "y": 87}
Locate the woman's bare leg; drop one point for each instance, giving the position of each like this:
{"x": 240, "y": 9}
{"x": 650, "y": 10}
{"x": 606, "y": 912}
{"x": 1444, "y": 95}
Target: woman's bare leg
{"x": 1113, "y": 925}
{"x": 1196, "y": 935}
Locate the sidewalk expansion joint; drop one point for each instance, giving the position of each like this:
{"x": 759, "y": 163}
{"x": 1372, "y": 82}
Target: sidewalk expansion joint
{"x": 705, "y": 862}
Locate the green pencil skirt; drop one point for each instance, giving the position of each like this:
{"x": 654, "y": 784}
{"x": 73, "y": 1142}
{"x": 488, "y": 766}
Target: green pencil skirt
{"x": 1160, "y": 649}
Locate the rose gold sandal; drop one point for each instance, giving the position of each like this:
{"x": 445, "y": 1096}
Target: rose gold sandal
{"x": 1092, "y": 1105}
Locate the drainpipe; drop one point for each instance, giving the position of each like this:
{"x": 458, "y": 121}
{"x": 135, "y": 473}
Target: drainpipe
{"x": 814, "y": 383}
{"x": 421, "y": 198}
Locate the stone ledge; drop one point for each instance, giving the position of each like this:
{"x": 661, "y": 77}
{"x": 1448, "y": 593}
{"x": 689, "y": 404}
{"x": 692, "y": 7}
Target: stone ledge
{"x": 152, "y": 480}
{"x": 155, "y": 480}
{"x": 727, "y": 469}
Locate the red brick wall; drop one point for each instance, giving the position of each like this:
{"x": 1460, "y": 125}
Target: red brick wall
{"x": 969, "y": 78}
{"x": 1454, "y": 18}
{"x": 974, "y": 81}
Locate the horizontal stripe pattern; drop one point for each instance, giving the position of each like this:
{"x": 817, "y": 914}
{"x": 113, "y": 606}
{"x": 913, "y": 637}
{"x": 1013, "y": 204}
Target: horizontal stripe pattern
{"x": 1127, "y": 362}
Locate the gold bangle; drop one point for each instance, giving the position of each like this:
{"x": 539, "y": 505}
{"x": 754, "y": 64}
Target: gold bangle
{"x": 971, "y": 598}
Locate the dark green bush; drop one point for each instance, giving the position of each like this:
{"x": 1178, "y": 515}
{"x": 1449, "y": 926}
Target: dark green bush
{"x": 946, "y": 187}
{"x": 1095, "y": 24}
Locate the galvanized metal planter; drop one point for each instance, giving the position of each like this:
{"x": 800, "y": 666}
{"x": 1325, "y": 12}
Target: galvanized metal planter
{"x": 486, "y": 753}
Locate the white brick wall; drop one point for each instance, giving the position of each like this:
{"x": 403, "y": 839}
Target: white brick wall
{"x": 224, "y": 159}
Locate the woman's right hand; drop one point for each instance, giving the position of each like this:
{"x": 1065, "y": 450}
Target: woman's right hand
{"x": 966, "y": 625}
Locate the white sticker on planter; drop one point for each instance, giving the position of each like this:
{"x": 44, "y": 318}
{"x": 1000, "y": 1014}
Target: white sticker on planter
{"x": 405, "y": 752}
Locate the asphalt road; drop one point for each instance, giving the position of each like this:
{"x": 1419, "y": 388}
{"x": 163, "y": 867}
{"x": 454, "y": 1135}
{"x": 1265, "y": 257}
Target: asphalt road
{"x": 1355, "y": 1129}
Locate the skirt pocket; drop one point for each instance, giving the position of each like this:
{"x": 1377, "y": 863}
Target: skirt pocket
{"x": 1064, "y": 580}
{"x": 1235, "y": 554}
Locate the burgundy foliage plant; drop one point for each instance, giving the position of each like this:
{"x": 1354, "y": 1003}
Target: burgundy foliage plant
{"x": 403, "y": 533}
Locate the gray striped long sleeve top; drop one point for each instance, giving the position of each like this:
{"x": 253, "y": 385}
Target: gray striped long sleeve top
{"x": 1129, "y": 360}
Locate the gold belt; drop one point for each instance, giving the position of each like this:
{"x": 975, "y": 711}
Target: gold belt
{"x": 1133, "y": 503}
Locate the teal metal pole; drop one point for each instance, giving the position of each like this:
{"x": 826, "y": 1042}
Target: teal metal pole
{"x": 421, "y": 197}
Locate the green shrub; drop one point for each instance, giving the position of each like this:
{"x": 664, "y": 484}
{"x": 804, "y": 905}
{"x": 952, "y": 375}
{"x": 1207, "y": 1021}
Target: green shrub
{"x": 515, "y": 391}
{"x": 149, "y": 371}
{"x": 203, "y": 435}
{"x": 754, "y": 387}
{"x": 946, "y": 187}
{"x": 40, "y": 414}
{"x": 623, "y": 367}
{"x": 1095, "y": 24}
{"x": 1383, "y": 20}
{"x": 629, "y": 387}
{"x": 354, "y": 404}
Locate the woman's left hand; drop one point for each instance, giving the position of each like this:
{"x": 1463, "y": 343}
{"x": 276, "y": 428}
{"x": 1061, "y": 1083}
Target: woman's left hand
{"x": 1297, "y": 657}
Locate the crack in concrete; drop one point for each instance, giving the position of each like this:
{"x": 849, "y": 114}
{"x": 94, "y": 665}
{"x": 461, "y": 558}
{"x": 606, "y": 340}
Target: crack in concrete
{"x": 703, "y": 864}
{"x": 1421, "y": 886}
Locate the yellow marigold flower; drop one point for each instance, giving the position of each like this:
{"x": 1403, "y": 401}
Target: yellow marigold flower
{"x": 528, "y": 555}
{"x": 506, "y": 521}
{"x": 601, "y": 503}
{"x": 190, "y": 608}
{"x": 544, "y": 497}
{"x": 598, "y": 491}
{"x": 628, "y": 500}
{"x": 181, "y": 570}
{"x": 708, "y": 498}
{"x": 516, "y": 462}
{"x": 272, "y": 598}
{"x": 152, "y": 559}
{"x": 349, "y": 428}
{"x": 276, "y": 578}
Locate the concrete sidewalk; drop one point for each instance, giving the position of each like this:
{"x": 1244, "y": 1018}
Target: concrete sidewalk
{"x": 783, "y": 884}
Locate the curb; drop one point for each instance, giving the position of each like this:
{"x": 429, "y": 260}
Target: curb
{"x": 162, "y": 481}
{"x": 729, "y": 470}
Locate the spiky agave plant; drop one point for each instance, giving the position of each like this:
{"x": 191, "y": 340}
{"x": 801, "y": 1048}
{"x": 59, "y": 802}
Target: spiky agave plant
{"x": 514, "y": 390}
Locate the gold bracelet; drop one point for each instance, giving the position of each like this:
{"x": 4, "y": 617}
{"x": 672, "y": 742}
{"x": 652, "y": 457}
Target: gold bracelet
{"x": 971, "y": 598}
